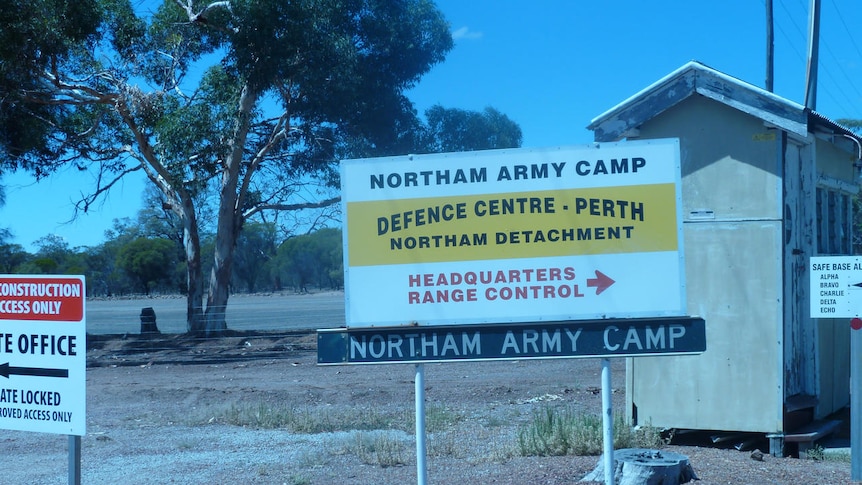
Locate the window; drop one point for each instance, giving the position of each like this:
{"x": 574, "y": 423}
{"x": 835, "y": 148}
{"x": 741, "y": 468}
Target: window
{"x": 834, "y": 222}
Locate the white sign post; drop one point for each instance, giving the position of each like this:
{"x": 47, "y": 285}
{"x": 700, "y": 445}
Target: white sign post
{"x": 43, "y": 357}
{"x": 582, "y": 232}
{"x": 589, "y": 232}
{"x": 836, "y": 292}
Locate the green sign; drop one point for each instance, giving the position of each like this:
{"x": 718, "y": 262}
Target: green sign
{"x": 543, "y": 340}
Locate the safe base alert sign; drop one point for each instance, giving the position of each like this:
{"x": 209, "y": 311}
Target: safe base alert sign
{"x": 836, "y": 286}
{"x": 43, "y": 350}
{"x": 565, "y": 233}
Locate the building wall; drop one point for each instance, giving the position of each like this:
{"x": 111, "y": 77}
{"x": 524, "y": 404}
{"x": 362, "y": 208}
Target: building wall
{"x": 800, "y": 336}
{"x": 834, "y": 162}
{"x": 836, "y": 184}
{"x": 733, "y": 228}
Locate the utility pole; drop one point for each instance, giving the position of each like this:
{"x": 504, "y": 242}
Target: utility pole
{"x": 770, "y": 47}
{"x": 813, "y": 50}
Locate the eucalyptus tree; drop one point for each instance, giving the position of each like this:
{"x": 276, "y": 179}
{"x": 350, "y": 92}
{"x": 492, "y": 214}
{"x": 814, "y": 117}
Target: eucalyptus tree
{"x": 254, "y": 100}
{"x": 311, "y": 259}
{"x": 148, "y": 261}
{"x": 458, "y": 130}
{"x": 5, "y": 233}
{"x": 255, "y": 248}
{"x": 11, "y": 255}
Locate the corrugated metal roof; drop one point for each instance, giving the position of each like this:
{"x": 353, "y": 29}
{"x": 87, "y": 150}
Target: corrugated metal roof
{"x": 815, "y": 118}
{"x": 697, "y": 78}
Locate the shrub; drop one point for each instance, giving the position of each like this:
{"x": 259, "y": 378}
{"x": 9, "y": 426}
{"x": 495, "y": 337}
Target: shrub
{"x": 562, "y": 431}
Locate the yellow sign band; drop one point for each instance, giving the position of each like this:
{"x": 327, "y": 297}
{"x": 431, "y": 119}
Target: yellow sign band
{"x": 605, "y": 220}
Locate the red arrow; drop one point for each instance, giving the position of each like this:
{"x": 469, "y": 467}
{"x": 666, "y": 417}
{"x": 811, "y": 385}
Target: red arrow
{"x": 601, "y": 282}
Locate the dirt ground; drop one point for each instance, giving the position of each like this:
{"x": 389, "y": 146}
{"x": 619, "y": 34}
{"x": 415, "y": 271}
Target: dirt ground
{"x": 165, "y": 410}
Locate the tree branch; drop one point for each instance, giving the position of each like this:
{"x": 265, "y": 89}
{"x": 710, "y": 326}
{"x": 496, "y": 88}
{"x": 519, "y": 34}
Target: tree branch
{"x": 292, "y": 207}
{"x": 85, "y": 202}
{"x": 279, "y": 132}
{"x": 77, "y": 92}
{"x": 155, "y": 170}
{"x": 234, "y": 161}
{"x": 201, "y": 17}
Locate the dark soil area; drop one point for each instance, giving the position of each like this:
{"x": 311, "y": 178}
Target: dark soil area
{"x": 162, "y": 410}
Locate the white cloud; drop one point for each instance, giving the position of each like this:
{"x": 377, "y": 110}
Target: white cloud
{"x": 466, "y": 33}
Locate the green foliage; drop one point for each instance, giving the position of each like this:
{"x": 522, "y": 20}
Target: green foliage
{"x": 379, "y": 448}
{"x": 40, "y": 265}
{"x": 562, "y": 431}
{"x": 148, "y": 261}
{"x": 256, "y": 246}
{"x": 334, "y": 68}
{"x": 338, "y": 69}
{"x": 457, "y": 130}
{"x": 12, "y": 257}
{"x": 264, "y": 415}
{"x": 102, "y": 275}
{"x": 53, "y": 257}
{"x": 156, "y": 219}
{"x": 298, "y": 479}
{"x": 311, "y": 260}
{"x": 851, "y": 123}
{"x": 136, "y": 258}
{"x": 5, "y": 234}
{"x": 244, "y": 106}
{"x": 819, "y": 453}
{"x": 37, "y": 35}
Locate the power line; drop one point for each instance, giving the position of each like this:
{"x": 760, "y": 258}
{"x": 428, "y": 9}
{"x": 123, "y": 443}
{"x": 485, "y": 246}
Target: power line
{"x": 840, "y": 66}
{"x": 831, "y": 89}
{"x": 847, "y": 29}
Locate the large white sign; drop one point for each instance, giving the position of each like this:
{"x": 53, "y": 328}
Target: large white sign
{"x": 836, "y": 286}
{"x": 43, "y": 354}
{"x": 566, "y": 233}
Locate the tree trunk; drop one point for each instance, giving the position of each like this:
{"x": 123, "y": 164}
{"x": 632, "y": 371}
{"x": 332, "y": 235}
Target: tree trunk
{"x": 217, "y": 301}
{"x": 225, "y": 243}
{"x": 194, "y": 273}
{"x": 219, "y": 288}
{"x": 229, "y": 220}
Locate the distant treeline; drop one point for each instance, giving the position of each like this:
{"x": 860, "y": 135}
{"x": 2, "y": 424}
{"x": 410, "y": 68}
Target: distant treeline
{"x": 135, "y": 261}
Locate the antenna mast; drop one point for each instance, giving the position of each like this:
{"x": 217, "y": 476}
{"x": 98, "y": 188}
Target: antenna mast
{"x": 813, "y": 50}
{"x": 770, "y": 47}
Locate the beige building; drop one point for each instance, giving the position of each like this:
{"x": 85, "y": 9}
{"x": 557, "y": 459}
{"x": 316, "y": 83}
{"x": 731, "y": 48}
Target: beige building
{"x": 766, "y": 184}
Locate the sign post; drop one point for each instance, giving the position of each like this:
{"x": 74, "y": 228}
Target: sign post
{"x": 43, "y": 346}
{"x": 856, "y": 400}
{"x": 836, "y": 292}
{"x": 421, "y": 445}
{"x": 607, "y": 422}
{"x": 514, "y": 254}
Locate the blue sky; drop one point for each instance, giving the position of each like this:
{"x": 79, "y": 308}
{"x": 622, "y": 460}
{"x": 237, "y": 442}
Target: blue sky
{"x": 551, "y": 66}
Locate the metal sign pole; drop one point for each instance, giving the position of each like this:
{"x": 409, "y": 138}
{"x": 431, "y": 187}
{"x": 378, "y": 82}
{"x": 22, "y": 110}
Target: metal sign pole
{"x": 607, "y": 422}
{"x": 856, "y": 400}
{"x": 74, "y": 460}
{"x": 421, "y": 469}
{"x": 845, "y": 272}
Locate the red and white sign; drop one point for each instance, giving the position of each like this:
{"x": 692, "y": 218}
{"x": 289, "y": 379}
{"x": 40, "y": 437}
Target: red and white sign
{"x": 43, "y": 351}
{"x": 46, "y": 299}
{"x": 554, "y": 234}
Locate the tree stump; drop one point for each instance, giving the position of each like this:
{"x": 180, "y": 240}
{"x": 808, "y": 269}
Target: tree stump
{"x": 148, "y": 322}
{"x": 638, "y": 466}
